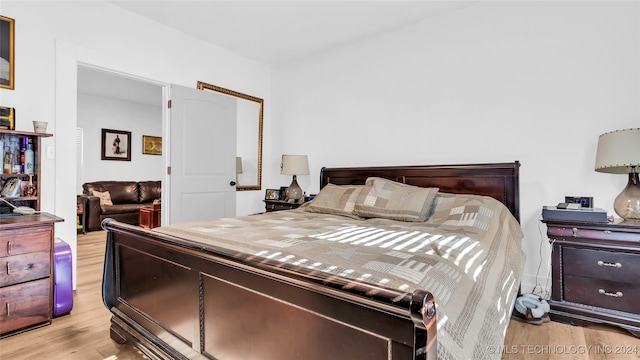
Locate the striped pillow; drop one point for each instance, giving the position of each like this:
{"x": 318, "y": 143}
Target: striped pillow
{"x": 382, "y": 198}
{"x": 336, "y": 199}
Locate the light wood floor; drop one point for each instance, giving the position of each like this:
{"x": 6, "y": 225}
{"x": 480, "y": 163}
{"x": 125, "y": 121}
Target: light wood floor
{"x": 84, "y": 334}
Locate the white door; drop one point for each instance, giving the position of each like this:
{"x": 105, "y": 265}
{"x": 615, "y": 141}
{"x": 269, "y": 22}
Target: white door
{"x": 202, "y": 153}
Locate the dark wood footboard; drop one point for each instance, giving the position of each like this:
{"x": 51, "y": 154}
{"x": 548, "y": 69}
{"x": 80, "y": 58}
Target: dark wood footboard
{"x": 175, "y": 300}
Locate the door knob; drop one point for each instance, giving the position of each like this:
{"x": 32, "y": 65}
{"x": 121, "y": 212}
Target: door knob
{"x": 232, "y": 183}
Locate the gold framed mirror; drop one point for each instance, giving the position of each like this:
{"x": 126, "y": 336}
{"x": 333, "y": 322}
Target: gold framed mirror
{"x": 249, "y": 141}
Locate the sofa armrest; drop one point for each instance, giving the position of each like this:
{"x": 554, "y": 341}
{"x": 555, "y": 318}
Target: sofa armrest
{"x": 93, "y": 213}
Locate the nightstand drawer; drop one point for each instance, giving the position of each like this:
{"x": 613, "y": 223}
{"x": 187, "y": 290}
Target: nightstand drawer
{"x": 16, "y": 242}
{"x": 26, "y": 267}
{"x": 602, "y": 293}
{"x": 599, "y": 264}
{"x": 277, "y": 205}
{"x": 555, "y": 231}
{"x": 25, "y": 305}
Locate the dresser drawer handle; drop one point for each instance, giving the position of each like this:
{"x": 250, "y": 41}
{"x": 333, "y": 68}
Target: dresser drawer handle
{"x": 8, "y": 268}
{"x": 618, "y": 294}
{"x": 8, "y": 247}
{"x": 615, "y": 265}
{"x": 8, "y": 310}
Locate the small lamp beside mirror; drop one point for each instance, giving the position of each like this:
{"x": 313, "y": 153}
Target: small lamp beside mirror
{"x": 238, "y": 167}
{"x": 619, "y": 153}
{"x": 294, "y": 165}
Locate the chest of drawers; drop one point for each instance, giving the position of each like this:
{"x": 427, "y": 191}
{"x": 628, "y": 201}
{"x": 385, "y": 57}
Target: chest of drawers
{"x": 595, "y": 271}
{"x": 26, "y": 281}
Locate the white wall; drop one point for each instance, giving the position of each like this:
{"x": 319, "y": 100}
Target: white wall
{"x": 96, "y": 113}
{"x": 54, "y": 37}
{"x": 494, "y": 82}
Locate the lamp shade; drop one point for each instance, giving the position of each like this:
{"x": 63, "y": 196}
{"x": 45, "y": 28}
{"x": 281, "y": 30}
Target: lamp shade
{"x": 238, "y": 165}
{"x": 618, "y": 151}
{"x": 294, "y": 165}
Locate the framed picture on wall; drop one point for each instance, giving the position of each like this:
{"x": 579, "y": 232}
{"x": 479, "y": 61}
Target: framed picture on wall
{"x": 151, "y": 145}
{"x": 7, "y": 35}
{"x": 116, "y": 145}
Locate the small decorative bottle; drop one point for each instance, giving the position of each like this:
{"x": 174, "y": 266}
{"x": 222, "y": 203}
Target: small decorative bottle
{"x": 31, "y": 188}
{"x": 7, "y": 161}
{"x": 29, "y": 160}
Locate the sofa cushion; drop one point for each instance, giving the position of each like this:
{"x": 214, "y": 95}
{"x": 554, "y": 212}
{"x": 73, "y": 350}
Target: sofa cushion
{"x": 149, "y": 191}
{"x": 105, "y": 197}
{"x": 122, "y": 192}
{"x": 119, "y": 209}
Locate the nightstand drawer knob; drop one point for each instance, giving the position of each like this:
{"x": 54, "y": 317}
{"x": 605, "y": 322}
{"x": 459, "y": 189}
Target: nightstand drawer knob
{"x": 575, "y": 232}
{"x": 618, "y": 294}
{"x": 615, "y": 265}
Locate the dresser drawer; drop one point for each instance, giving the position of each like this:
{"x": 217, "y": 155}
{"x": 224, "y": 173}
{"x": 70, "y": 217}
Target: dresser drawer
{"x": 20, "y": 268}
{"x": 600, "y": 264}
{"x": 602, "y": 293}
{"x": 16, "y": 242}
{"x": 25, "y": 305}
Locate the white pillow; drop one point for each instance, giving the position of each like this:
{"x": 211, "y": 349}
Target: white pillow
{"x": 105, "y": 197}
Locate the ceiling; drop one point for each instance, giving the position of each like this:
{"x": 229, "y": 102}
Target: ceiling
{"x": 279, "y": 32}
{"x": 274, "y": 33}
{"x": 106, "y": 84}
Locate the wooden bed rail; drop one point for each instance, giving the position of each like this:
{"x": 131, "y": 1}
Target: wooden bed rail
{"x": 172, "y": 299}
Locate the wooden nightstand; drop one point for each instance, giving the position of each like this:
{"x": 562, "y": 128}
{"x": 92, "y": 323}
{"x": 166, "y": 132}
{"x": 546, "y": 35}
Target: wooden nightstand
{"x": 595, "y": 269}
{"x": 275, "y": 205}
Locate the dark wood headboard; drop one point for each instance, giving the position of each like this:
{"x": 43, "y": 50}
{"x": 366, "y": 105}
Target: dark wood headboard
{"x": 498, "y": 180}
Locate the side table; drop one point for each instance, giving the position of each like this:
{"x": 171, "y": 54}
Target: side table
{"x": 149, "y": 217}
{"x": 82, "y": 213}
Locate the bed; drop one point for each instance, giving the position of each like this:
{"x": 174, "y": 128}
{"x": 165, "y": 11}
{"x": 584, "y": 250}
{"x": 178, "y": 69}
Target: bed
{"x": 316, "y": 284}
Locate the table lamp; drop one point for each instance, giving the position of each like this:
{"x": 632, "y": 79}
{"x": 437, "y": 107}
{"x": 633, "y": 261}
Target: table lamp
{"x": 238, "y": 166}
{"x": 294, "y": 165}
{"x": 619, "y": 153}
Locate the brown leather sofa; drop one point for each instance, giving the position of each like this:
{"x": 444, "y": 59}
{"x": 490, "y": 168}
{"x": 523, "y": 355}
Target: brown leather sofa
{"x": 127, "y": 198}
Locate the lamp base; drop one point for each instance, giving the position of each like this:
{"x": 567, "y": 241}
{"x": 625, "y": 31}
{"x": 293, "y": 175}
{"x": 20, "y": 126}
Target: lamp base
{"x": 294, "y": 192}
{"x": 627, "y": 204}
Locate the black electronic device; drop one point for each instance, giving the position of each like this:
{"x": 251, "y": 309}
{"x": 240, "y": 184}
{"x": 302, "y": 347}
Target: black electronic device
{"x": 569, "y": 206}
{"x": 579, "y": 214}
{"x": 584, "y": 201}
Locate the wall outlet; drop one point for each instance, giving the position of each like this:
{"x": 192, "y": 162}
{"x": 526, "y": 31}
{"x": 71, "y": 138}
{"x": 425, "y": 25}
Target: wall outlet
{"x": 584, "y": 201}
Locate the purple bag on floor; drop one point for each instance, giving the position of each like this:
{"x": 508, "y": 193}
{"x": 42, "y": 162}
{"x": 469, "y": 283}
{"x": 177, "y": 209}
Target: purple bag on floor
{"x": 62, "y": 279}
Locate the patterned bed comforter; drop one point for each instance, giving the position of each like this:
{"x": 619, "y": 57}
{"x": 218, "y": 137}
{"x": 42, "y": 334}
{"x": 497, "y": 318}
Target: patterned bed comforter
{"x": 467, "y": 255}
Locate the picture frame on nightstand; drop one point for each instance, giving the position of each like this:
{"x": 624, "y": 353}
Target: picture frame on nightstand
{"x": 272, "y": 194}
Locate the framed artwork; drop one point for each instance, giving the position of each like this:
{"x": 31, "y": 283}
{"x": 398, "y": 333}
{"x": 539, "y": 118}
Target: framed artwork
{"x": 116, "y": 145}
{"x": 7, "y": 64}
{"x": 272, "y": 194}
{"x": 151, "y": 145}
{"x": 283, "y": 192}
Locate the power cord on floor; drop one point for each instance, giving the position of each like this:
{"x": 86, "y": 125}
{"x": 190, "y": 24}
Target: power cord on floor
{"x": 538, "y": 289}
